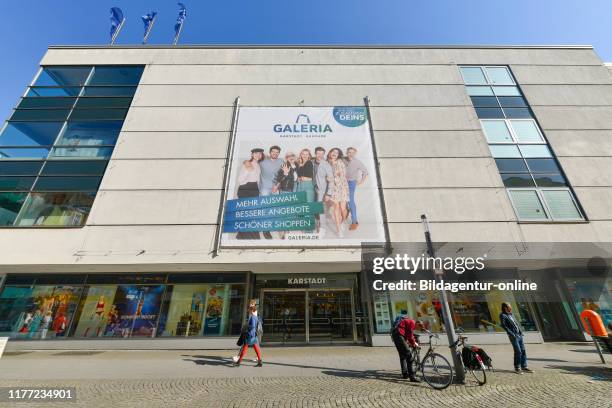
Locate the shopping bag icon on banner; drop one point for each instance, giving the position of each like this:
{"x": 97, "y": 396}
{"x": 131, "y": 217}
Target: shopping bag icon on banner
{"x": 302, "y": 117}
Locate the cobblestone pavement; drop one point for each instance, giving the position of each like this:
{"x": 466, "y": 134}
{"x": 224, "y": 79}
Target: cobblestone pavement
{"x": 568, "y": 376}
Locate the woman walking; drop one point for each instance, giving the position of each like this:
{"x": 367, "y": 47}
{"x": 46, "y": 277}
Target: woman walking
{"x": 340, "y": 192}
{"x": 251, "y": 337}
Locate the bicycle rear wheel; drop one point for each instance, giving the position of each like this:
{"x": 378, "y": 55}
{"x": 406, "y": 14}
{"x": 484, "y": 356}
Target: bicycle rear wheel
{"x": 437, "y": 371}
{"x": 479, "y": 374}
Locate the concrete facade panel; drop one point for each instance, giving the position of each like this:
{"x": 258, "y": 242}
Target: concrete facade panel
{"x": 588, "y": 171}
{"x": 171, "y": 145}
{"x": 448, "y": 172}
{"x": 306, "y": 55}
{"x": 415, "y": 143}
{"x": 297, "y": 94}
{"x": 580, "y": 142}
{"x": 300, "y": 74}
{"x": 456, "y": 232}
{"x": 177, "y": 119}
{"x": 556, "y": 74}
{"x": 574, "y": 117}
{"x": 156, "y": 207}
{"x": 568, "y": 95}
{"x": 596, "y": 202}
{"x": 471, "y": 204}
{"x": 164, "y": 174}
{"x": 424, "y": 118}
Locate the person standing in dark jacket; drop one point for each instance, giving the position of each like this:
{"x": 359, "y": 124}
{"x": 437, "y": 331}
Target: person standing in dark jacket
{"x": 510, "y": 325}
{"x": 403, "y": 338}
{"x": 286, "y": 175}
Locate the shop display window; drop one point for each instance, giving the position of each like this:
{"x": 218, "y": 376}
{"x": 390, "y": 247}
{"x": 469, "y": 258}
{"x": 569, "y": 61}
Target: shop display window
{"x": 472, "y": 311}
{"x": 39, "y": 312}
{"x": 202, "y": 310}
{"x": 120, "y": 306}
{"x": 592, "y": 294}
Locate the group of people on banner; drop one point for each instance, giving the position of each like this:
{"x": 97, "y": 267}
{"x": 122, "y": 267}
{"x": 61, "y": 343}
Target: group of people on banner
{"x": 328, "y": 176}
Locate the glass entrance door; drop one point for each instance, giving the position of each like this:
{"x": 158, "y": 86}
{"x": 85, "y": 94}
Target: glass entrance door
{"x": 331, "y": 317}
{"x": 284, "y": 316}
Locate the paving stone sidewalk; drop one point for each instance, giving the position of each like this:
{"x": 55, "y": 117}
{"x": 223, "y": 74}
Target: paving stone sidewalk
{"x": 567, "y": 375}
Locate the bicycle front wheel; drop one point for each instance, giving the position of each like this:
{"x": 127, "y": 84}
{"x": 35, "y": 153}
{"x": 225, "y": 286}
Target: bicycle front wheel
{"x": 437, "y": 371}
{"x": 479, "y": 374}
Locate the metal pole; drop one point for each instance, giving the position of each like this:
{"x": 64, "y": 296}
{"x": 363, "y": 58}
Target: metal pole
{"x": 144, "y": 41}
{"x": 176, "y": 38}
{"x": 448, "y": 322}
{"x": 381, "y": 196}
{"x": 226, "y": 175}
{"x": 592, "y": 333}
{"x": 117, "y": 32}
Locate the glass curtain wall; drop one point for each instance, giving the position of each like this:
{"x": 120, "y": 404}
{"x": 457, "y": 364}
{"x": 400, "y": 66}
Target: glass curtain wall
{"x": 534, "y": 180}
{"x": 55, "y": 146}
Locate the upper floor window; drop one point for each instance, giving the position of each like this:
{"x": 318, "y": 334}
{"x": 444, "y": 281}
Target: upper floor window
{"x": 55, "y": 146}
{"x": 536, "y": 185}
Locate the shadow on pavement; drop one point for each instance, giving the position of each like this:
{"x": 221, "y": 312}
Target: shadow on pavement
{"x": 552, "y": 360}
{"x": 209, "y": 360}
{"x": 371, "y": 375}
{"x": 596, "y": 373}
{"x": 364, "y": 374}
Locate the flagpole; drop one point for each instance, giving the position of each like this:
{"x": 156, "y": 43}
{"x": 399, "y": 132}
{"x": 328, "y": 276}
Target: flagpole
{"x": 176, "y": 38}
{"x": 117, "y": 32}
{"x": 144, "y": 41}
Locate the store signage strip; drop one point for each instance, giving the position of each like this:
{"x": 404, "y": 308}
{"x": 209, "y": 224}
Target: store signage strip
{"x": 266, "y": 201}
{"x": 306, "y": 223}
{"x": 275, "y": 212}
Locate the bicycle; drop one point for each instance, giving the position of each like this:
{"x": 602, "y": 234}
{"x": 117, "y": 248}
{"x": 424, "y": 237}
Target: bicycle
{"x": 472, "y": 363}
{"x": 434, "y": 368}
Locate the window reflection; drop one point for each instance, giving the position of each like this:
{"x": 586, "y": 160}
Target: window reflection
{"x": 26, "y": 153}
{"x": 55, "y": 209}
{"x": 90, "y": 133}
{"x": 30, "y": 133}
{"x": 121, "y": 75}
{"x": 63, "y": 76}
{"x": 82, "y": 152}
{"x": 10, "y": 204}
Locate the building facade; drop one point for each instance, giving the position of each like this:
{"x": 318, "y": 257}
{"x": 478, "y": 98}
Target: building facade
{"x": 114, "y": 169}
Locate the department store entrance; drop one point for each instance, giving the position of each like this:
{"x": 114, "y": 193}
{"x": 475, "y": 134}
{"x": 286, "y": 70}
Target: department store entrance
{"x": 317, "y": 314}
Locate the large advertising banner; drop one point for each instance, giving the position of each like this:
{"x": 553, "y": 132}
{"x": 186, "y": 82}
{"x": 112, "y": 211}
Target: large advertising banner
{"x": 302, "y": 177}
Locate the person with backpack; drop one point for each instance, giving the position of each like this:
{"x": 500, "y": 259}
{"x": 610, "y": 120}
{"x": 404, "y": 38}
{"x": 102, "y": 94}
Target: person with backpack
{"x": 510, "y": 325}
{"x": 402, "y": 334}
{"x": 253, "y": 331}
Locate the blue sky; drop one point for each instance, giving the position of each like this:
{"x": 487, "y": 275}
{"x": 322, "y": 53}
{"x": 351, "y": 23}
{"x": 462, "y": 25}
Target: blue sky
{"x": 29, "y": 26}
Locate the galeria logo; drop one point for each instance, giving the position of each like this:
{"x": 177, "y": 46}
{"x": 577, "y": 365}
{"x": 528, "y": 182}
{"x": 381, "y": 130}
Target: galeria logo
{"x": 350, "y": 116}
{"x": 302, "y": 125}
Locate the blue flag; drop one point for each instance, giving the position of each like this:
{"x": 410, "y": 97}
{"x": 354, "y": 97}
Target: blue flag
{"x": 179, "y": 21}
{"x": 148, "y": 20}
{"x": 116, "y": 19}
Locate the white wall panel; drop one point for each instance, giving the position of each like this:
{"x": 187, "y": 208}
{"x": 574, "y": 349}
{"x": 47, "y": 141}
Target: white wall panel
{"x": 294, "y": 95}
{"x": 301, "y": 74}
{"x": 164, "y": 174}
